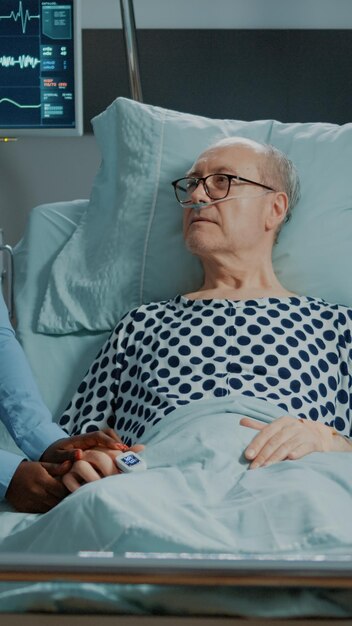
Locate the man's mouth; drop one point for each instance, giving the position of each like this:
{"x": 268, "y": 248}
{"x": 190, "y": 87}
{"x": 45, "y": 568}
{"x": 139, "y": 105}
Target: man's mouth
{"x": 202, "y": 219}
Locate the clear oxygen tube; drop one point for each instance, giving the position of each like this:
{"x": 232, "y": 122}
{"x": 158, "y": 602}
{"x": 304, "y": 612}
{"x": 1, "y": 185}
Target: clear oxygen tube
{"x": 197, "y": 206}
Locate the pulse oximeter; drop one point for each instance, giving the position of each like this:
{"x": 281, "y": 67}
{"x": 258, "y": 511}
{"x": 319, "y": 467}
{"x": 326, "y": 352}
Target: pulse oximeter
{"x": 130, "y": 462}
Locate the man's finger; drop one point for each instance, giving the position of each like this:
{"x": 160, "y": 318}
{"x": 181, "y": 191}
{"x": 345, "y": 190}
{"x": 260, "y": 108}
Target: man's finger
{"x": 102, "y": 462}
{"x": 138, "y": 447}
{"x": 71, "y": 483}
{"x": 251, "y": 423}
{"x": 297, "y": 453}
{"x": 261, "y": 439}
{"x": 277, "y": 449}
{"x": 85, "y": 472}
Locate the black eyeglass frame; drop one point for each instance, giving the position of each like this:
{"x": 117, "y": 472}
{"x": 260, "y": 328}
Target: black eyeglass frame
{"x": 203, "y": 179}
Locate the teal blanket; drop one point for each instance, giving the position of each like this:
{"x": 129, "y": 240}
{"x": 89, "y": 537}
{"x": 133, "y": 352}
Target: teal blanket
{"x": 198, "y": 495}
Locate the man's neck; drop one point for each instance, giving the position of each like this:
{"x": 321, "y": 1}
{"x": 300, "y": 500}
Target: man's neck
{"x": 235, "y": 281}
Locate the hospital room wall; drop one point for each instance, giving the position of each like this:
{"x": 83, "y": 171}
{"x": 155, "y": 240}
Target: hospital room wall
{"x": 39, "y": 171}
{"x": 231, "y": 70}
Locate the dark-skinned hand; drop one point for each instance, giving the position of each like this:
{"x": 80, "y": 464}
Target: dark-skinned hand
{"x": 36, "y": 487}
{"x": 70, "y": 449}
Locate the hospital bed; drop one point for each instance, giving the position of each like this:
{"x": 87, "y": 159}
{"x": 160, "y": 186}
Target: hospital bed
{"x": 248, "y": 585}
{"x": 63, "y": 333}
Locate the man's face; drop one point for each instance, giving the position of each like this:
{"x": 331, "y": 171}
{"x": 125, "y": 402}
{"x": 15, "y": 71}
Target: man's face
{"x": 233, "y": 224}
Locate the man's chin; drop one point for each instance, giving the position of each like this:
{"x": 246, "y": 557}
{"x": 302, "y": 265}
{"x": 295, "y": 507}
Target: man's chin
{"x": 199, "y": 245}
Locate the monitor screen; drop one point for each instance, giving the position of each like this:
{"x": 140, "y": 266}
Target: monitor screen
{"x": 40, "y": 68}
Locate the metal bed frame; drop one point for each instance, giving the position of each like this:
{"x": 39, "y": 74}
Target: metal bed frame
{"x": 7, "y": 274}
{"x": 183, "y": 569}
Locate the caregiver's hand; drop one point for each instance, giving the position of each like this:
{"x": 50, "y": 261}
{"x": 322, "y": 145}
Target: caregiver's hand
{"x": 288, "y": 438}
{"x": 70, "y": 449}
{"x": 35, "y": 487}
{"x": 95, "y": 464}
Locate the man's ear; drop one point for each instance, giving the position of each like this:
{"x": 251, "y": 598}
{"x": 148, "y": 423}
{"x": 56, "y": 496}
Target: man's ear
{"x": 278, "y": 210}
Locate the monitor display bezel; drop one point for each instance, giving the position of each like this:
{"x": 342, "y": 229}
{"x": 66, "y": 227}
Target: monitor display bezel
{"x": 10, "y": 132}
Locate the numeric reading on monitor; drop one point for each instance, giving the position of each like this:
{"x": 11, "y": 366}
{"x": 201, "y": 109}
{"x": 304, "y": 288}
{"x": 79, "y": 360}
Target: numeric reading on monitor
{"x": 130, "y": 462}
{"x": 37, "y": 71}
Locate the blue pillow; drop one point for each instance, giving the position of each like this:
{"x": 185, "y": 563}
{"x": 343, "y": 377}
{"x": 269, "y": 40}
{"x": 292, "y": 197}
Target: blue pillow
{"x": 128, "y": 247}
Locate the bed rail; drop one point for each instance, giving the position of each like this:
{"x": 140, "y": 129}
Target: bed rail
{"x": 221, "y": 570}
{"x": 7, "y": 274}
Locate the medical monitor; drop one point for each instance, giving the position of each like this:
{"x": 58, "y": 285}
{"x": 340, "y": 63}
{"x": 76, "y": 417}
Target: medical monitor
{"x": 40, "y": 68}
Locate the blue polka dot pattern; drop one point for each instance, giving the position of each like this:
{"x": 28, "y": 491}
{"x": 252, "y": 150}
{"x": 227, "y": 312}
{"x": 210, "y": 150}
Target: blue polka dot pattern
{"x": 294, "y": 352}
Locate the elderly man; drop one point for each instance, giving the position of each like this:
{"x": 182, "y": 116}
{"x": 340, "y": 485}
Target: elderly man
{"x": 34, "y": 486}
{"x": 242, "y": 332}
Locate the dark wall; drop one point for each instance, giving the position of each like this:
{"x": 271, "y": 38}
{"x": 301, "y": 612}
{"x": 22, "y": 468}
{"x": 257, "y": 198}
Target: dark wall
{"x": 289, "y": 75}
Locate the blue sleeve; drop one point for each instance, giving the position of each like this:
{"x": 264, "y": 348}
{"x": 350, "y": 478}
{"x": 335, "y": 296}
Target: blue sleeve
{"x": 21, "y": 408}
{"x": 9, "y": 462}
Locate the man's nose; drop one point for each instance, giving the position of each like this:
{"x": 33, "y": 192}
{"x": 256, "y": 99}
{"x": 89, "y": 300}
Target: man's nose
{"x": 199, "y": 194}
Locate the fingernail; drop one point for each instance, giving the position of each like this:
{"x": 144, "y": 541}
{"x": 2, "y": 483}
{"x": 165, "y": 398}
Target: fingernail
{"x": 255, "y": 465}
{"x": 250, "y": 453}
{"x": 122, "y": 447}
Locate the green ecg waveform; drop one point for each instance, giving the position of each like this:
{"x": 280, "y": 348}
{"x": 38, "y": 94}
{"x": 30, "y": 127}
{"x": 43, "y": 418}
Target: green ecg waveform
{"x": 20, "y": 106}
{"x": 20, "y": 15}
{"x": 23, "y": 61}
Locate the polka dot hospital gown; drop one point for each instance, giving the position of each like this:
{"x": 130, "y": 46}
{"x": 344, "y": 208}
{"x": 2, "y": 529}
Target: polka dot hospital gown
{"x": 294, "y": 352}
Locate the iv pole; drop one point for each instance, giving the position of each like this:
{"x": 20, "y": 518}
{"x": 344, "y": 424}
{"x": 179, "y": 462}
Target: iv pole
{"x": 129, "y": 31}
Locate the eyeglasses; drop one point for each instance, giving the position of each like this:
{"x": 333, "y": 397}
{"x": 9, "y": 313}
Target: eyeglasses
{"x": 216, "y": 186}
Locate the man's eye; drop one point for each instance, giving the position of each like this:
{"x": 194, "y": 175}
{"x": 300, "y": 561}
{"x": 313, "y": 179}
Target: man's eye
{"x": 220, "y": 181}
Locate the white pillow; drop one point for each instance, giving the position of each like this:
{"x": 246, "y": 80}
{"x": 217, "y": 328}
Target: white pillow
{"x": 128, "y": 247}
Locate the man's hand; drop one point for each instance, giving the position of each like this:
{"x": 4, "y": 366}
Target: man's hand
{"x": 287, "y": 438}
{"x": 36, "y": 487}
{"x": 70, "y": 449}
{"x": 95, "y": 464}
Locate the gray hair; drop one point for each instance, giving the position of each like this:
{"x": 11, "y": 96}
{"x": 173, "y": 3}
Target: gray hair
{"x": 280, "y": 173}
{"x": 276, "y": 170}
